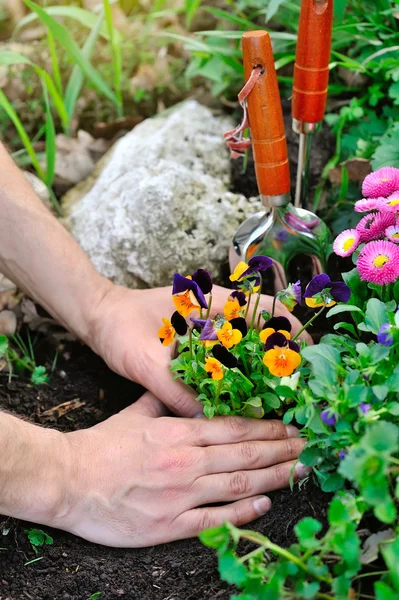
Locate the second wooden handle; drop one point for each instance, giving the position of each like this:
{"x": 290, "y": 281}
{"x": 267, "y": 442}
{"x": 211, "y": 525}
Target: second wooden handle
{"x": 266, "y": 117}
{"x": 311, "y": 70}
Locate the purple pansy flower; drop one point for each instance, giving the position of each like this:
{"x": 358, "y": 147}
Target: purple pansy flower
{"x": 278, "y": 324}
{"x": 385, "y": 336}
{"x": 291, "y": 296}
{"x": 209, "y": 331}
{"x": 329, "y": 417}
{"x": 199, "y": 322}
{"x": 278, "y": 340}
{"x": 321, "y": 290}
{"x": 240, "y": 296}
{"x": 364, "y": 407}
{"x": 179, "y": 323}
{"x": 342, "y": 454}
{"x": 204, "y": 280}
{"x": 183, "y": 284}
{"x": 257, "y": 264}
{"x": 224, "y": 356}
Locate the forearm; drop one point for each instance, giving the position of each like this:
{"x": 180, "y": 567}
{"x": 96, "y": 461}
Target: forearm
{"x": 40, "y": 256}
{"x": 32, "y": 470}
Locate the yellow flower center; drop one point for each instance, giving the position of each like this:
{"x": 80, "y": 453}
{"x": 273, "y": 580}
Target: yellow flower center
{"x": 393, "y": 202}
{"x": 380, "y": 260}
{"x": 347, "y": 245}
{"x": 395, "y": 236}
{"x": 384, "y": 179}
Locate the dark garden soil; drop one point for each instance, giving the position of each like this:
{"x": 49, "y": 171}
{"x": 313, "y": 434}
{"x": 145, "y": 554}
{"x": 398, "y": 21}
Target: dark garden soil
{"x": 75, "y": 569}
{"x": 72, "y": 569}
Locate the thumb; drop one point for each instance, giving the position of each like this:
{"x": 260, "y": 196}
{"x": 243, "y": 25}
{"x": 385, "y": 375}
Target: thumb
{"x": 148, "y": 406}
{"x": 179, "y": 398}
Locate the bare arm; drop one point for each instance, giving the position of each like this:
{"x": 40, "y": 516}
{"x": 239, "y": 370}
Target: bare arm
{"x": 39, "y": 255}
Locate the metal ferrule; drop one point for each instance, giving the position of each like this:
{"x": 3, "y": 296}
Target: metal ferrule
{"x": 276, "y": 201}
{"x": 306, "y": 128}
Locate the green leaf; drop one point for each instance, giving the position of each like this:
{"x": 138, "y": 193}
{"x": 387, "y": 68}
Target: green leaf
{"x": 209, "y": 411}
{"x": 307, "y": 590}
{"x": 324, "y": 360}
{"x": 51, "y": 149}
{"x": 390, "y": 554}
{"x": 271, "y": 400}
{"x": 231, "y": 570}
{"x": 384, "y": 592}
{"x": 39, "y": 376}
{"x": 340, "y": 308}
{"x": 387, "y": 152}
{"x": 216, "y": 537}
{"x": 332, "y": 483}
{"x": 376, "y": 315}
{"x": 3, "y": 345}
{"x": 38, "y": 537}
{"x": 311, "y": 457}
{"x": 382, "y": 437}
{"x": 306, "y": 531}
{"x": 70, "y": 46}
{"x": 191, "y": 7}
{"x": 381, "y": 392}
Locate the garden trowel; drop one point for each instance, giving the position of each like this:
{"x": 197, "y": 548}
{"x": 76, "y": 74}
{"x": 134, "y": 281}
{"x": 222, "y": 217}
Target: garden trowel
{"x": 280, "y": 231}
{"x": 310, "y": 85}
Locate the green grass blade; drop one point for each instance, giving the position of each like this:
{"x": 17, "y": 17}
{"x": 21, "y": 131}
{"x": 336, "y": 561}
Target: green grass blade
{"x": 226, "y": 16}
{"x": 51, "y": 149}
{"x": 68, "y": 43}
{"x": 191, "y": 7}
{"x": 76, "y": 79}
{"x": 116, "y": 52}
{"x": 84, "y": 17}
{"x": 8, "y": 108}
{"x": 54, "y": 61}
{"x": 7, "y": 57}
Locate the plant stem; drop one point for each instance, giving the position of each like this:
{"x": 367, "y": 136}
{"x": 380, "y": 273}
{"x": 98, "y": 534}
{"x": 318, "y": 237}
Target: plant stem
{"x": 256, "y": 305}
{"x": 375, "y": 573}
{"x": 218, "y": 390}
{"x": 253, "y": 553}
{"x": 309, "y": 323}
{"x": 268, "y": 545}
{"x": 274, "y": 305}
{"x": 248, "y": 305}
{"x": 208, "y": 312}
{"x": 190, "y": 342}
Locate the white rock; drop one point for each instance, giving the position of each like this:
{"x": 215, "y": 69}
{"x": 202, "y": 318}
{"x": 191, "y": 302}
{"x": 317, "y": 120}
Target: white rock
{"x": 162, "y": 202}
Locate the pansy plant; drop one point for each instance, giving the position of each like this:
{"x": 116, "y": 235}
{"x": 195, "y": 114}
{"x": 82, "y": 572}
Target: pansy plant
{"x": 238, "y": 361}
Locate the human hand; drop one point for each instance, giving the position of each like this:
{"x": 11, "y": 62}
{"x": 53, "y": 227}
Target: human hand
{"x": 138, "y": 478}
{"x": 124, "y": 333}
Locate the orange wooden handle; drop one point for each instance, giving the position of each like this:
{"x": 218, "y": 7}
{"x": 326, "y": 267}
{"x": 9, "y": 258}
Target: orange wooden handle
{"x": 266, "y": 117}
{"x": 312, "y": 58}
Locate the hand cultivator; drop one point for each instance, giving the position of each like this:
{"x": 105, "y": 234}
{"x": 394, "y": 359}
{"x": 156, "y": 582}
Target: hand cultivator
{"x": 283, "y": 231}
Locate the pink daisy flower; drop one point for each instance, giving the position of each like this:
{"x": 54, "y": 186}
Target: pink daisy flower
{"x": 373, "y": 226}
{"x": 392, "y": 233}
{"x": 346, "y": 242}
{"x": 381, "y": 183}
{"x": 378, "y": 262}
{"x": 367, "y": 204}
{"x": 392, "y": 202}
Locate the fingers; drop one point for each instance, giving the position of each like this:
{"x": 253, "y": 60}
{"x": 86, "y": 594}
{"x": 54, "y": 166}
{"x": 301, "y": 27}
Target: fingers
{"x": 230, "y": 430}
{"x": 229, "y": 487}
{"x": 148, "y": 406}
{"x": 192, "y": 522}
{"x": 251, "y": 455}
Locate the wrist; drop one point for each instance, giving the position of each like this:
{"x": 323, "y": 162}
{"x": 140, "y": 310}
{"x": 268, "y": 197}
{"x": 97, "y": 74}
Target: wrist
{"x": 34, "y": 473}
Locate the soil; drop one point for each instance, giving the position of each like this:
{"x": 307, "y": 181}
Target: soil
{"x": 73, "y": 569}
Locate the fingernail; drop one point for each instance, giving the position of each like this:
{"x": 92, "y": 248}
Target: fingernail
{"x": 302, "y": 471}
{"x": 292, "y": 431}
{"x": 199, "y": 415}
{"x": 262, "y": 505}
